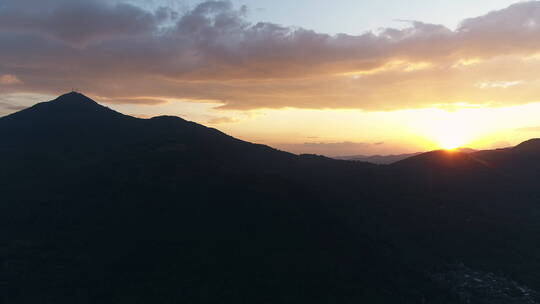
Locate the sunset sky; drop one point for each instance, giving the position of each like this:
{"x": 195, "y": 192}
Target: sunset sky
{"x": 340, "y": 77}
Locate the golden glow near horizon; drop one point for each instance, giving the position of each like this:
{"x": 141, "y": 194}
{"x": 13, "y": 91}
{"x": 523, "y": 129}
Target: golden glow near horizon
{"x": 462, "y": 126}
{"x": 350, "y": 132}
{"x": 454, "y": 129}
{"x": 342, "y": 132}
{"x": 410, "y": 124}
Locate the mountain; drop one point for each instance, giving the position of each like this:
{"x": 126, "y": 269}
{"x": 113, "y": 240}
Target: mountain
{"x": 378, "y": 159}
{"x": 100, "y": 207}
{"x": 390, "y": 159}
{"x": 532, "y": 145}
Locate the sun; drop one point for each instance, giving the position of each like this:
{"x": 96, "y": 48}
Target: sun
{"x": 450, "y": 136}
{"x": 450, "y": 130}
{"x": 458, "y": 127}
{"x": 450, "y": 142}
{"x": 450, "y": 133}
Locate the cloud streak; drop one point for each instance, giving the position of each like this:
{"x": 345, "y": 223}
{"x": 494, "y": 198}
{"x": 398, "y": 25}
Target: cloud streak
{"x": 10, "y": 107}
{"x": 8, "y": 79}
{"x": 530, "y": 129}
{"x": 122, "y": 52}
{"x": 222, "y": 120}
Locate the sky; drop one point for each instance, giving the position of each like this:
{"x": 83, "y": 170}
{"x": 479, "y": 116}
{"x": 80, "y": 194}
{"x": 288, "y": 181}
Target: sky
{"x": 336, "y": 78}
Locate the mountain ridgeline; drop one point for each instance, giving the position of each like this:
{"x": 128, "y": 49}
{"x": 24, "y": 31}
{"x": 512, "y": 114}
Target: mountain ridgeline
{"x": 100, "y": 207}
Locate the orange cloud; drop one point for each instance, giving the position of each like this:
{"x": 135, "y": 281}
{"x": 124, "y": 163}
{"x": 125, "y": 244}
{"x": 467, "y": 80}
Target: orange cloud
{"x": 8, "y": 79}
{"x": 213, "y": 53}
{"x": 222, "y": 120}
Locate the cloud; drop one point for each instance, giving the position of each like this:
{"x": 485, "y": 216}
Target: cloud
{"x": 78, "y": 23}
{"x": 499, "y": 84}
{"x": 143, "y": 116}
{"x": 222, "y": 120}
{"x": 8, "y": 79}
{"x": 331, "y": 145}
{"x": 11, "y": 107}
{"x": 121, "y": 51}
{"x": 138, "y": 100}
{"x": 530, "y": 129}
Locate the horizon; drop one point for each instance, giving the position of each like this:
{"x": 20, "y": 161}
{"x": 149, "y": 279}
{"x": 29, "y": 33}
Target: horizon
{"x": 453, "y": 75}
{"x": 463, "y": 150}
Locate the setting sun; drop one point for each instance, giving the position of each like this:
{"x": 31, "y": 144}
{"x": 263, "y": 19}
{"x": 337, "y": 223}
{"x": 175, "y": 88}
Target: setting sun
{"x": 450, "y": 143}
{"x": 459, "y": 127}
{"x": 449, "y": 134}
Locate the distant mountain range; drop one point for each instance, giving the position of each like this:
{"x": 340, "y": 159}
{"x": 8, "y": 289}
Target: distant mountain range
{"x": 378, "y": 159}
{"x": 100, "y": 207}
{"x": 389, "y": 159}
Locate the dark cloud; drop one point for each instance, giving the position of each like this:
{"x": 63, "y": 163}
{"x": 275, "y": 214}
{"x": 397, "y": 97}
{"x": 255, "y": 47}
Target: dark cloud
{"x": 331, "y": 145}
{"x": 78, "y": 22}
{"x": 122, "y": 52}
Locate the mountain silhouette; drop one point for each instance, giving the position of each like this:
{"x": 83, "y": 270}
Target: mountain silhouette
{"x": 100, "y": 207}
{"x": 532, "y": 145}
{"x": 390, "y": 159}
{"x": 378, "y": 159}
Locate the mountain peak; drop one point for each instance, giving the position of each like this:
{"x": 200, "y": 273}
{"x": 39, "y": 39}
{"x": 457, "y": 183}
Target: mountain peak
{"x": 73, "y": 107}
{"x": 437, "y": 159}
{"x": 74, "y": 98}
{"x": 532, "y": 145}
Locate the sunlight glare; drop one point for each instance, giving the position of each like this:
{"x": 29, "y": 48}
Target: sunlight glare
{"x": 449, "y": 134}
{"x": 450, "y": 142}
{"x": 450, "y": 130}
